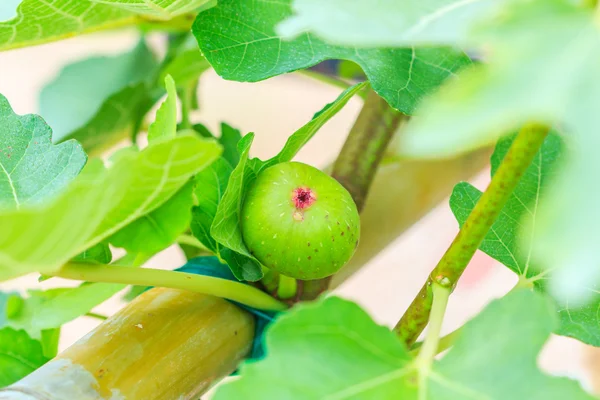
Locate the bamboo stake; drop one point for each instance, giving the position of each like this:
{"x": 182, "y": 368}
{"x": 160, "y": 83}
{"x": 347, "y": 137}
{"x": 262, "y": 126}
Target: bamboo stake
{"x": 166, "y": 344}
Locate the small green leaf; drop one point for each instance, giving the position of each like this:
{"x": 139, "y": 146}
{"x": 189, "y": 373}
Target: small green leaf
{"x": 100, "y": 100}
{"x": 19, "y": 356}
{"x": 99, "y": 253}
{"x": 32, "y": 169}
{"x": 510, "y": 239}
{"x": 229, "y": 139}
{"x": 329, "y": 349}
{"x": 165, "y": 124}
{"x": 226, "y": 226}
{"x": 98, "y": 204}
{"x": 388, "y": 23}
{"x": 253, "y": 51}
{"x": 160, "y": 228}
{"x": 210, "y": 187}
{"x": 299, "y": 138}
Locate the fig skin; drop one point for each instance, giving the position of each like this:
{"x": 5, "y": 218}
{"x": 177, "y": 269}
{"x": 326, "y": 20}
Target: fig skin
{"x": 299, "y": 221}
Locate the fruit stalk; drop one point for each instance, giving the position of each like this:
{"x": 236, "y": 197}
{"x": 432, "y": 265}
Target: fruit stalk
{"x": 467, "y": 241}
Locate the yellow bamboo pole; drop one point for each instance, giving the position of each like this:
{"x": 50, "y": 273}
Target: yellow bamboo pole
{"x": 166, "y": 344}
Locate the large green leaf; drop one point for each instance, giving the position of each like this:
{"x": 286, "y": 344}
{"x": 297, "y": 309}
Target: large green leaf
{"x": 250, "y": 50}
{"x": 330, "y": 349}
{"x": 98, "y": 204}
{"x": 41, "y": 21}
{"x": 99, "y": 101}
{"x": 32, "y": 169}
{"x": 543, "y": 61}
{"x": 495, "y": 355}
{"x": 19, "y": 356}
{"x": 333, "y": 350}
{"x": 388, "y": 23}
{"x": 503, "y": 242}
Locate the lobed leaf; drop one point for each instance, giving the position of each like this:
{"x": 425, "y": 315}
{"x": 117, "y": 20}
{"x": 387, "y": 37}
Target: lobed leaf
{"x": 332, "y": 349}
{"x": 495, "y": 355}
{"x": 32, "y": 169}
{"x": 329, "y": 349}
{"x": 98, "y": 204}
{"x": 511, "y": 238}
{"x": 251, "y": 50}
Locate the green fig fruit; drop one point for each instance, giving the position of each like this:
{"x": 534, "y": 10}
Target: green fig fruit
{"x": 299, "y": 221}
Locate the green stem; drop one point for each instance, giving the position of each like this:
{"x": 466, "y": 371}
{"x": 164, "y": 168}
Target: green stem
{"x": 331, "y": 80}
{"x": 429, "y": 349}
{"x": 185, "y": 95}
{"x": 97, "y": 316}
{"x": 358, "y": 161}
{"x": 444, "y": 343}
{"x": 455, "y": 260}
{"x": 287, "y": 287}
{"x": 235, "y": 291}
{"x": 365, "y": 146}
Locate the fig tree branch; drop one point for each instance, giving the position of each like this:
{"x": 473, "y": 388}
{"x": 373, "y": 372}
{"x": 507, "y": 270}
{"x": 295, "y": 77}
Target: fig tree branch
{"x": 359, "y": 159}
{"x": 467, "y": 241}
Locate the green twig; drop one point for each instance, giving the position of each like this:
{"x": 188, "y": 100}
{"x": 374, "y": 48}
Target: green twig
{"x": 455, "y": 260}
{"x": 239, "y": 292}
{"x": 97, "y": 316}
{"x": 358, "y": 161}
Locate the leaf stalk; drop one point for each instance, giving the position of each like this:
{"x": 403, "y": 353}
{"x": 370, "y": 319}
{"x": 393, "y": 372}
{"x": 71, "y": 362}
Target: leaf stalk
{"x": 230, "y": 290}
